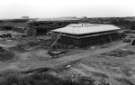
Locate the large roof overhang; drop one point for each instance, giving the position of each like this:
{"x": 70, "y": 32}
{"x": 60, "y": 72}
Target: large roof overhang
{"x": 86, "y": 36}
{"x": 81, "y": 29}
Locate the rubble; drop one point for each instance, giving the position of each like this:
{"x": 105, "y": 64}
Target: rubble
{"x": 119, "y": 53}
{"x": 39, "y": 60}
{"x": 6, "y": 55}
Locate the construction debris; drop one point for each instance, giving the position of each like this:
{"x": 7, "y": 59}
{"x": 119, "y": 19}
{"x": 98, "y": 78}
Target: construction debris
{"x": 119, "y": 53}
{"x": 60, "y": 53}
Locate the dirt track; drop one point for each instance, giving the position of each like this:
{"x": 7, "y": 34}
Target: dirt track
{"x": 56, "y": 63}
{"x": 24, "y": 65}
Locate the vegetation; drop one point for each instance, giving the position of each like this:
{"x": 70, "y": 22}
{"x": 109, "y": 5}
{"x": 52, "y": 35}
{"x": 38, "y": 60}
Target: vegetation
{"x": 42, "y": 78}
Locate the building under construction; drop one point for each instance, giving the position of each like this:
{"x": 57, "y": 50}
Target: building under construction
{"x": 43, "y": 26}
{"x": 83, "y": 35}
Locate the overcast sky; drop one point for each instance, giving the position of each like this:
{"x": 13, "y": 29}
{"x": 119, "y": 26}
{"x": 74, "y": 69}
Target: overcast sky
{"x": 62, "y": 8}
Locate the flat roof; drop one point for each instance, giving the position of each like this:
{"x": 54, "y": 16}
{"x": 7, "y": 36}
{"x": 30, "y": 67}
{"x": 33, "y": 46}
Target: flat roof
{"x": 79, "y": 29}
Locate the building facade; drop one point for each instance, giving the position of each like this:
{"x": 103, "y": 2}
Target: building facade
{"x": 83, "y": 35}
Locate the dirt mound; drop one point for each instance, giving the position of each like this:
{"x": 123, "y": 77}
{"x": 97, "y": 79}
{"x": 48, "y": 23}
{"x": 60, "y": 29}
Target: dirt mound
{"x": 6, "y": 55}
{"x": 41, "y": 78}
{"x": 119, "y": 53}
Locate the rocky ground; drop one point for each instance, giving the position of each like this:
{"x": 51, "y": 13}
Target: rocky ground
{"x": 110, "y": 64}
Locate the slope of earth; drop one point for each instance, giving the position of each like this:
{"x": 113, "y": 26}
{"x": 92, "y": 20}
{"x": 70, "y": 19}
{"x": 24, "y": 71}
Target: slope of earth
{"x": 37, "y": 59}
{"x": 100, "y": 63}
{"x": 116, "y": 70}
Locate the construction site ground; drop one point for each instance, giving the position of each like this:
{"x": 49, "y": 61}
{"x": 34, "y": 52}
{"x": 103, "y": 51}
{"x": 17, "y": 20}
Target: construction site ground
{"x": 114, "y": 61}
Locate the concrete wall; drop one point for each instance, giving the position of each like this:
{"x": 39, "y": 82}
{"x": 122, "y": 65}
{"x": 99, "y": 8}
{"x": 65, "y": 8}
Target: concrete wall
{"x": 89, "y": 41}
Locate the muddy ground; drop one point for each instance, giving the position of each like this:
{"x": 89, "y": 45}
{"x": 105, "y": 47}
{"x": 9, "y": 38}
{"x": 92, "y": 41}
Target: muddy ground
{"x": 109, "y": 64}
